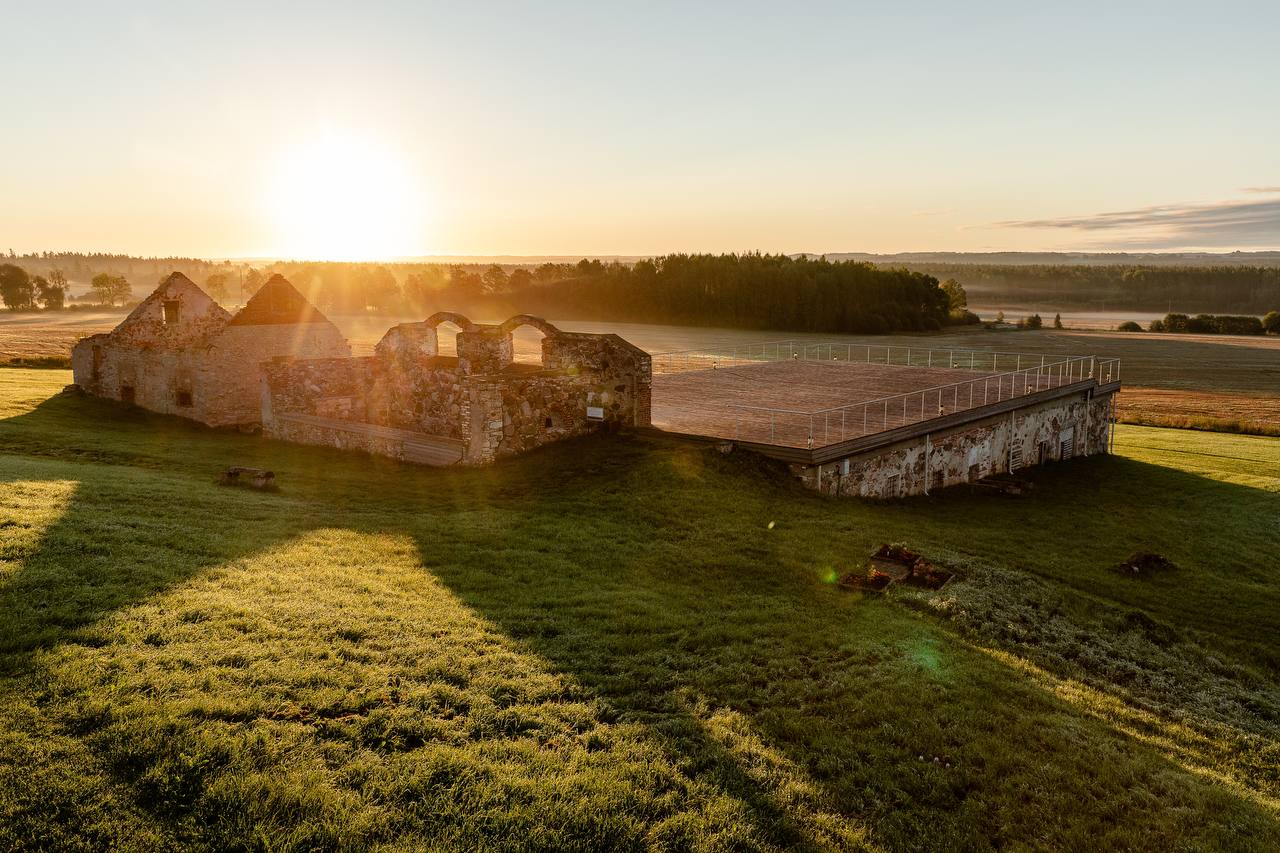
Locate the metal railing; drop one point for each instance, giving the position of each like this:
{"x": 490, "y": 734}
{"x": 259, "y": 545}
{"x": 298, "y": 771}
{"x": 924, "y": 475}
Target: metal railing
{"x": 986, "y": 361}
{"x": 821, "y": 427}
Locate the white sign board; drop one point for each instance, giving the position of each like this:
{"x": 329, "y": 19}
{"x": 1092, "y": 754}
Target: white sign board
{"x": 595, "y": 413}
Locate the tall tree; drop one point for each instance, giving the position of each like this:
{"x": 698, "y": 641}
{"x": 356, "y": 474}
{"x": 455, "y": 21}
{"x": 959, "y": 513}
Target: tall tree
{"x": 250, "y": 284}
{"x": 16, "y": 288}
{"x": 216, "y": 286}
{"x": 52, "y": 296}
{"x": 957, "y": 299}
{"x": 110, "y": 289}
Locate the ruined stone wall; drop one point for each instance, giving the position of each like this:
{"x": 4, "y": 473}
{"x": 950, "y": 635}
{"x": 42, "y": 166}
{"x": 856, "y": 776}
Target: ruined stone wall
{"x": 161, "y": 380}
{"x": 968, "y": 453}
{"x": 429, "y": 395}
{"x": 150, "y": 359}
{"x": 230, "y": 376}
{"x": 614, "y": 362}
{"x": 479, "y": 400}
{"x": 485, "y": 349}
{"x": 520, "y": 413}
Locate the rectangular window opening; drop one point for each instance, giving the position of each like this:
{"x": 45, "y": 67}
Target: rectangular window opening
{"x": 184, "y": 399}
{"x": 170, "y": 311}
{"x": 126, "y": 393}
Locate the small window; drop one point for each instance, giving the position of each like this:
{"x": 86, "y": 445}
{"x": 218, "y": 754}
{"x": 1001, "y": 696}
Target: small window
{"x": 892, "y": 486}
{"x": 126, "y": 393}
{"x": 170, "y": 311}
{"x": 1067, "y": 449}
{"x": 550, "y": 423}
{"x": 184, "y": 399}
{"x": 1015, "y": 459}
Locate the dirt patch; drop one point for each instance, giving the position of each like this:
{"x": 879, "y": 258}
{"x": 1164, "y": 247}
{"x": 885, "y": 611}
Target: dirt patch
{"x": 872, "y": 581}
{"x": 905, "y": 565}
{"x": 1145, "y": 565}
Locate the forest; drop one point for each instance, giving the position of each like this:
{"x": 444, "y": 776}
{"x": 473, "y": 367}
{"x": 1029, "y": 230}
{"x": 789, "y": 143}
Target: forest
{"x": 800, "y": 293}
{"x": 738, "y": 291}
{"x": 1215, "y": 289}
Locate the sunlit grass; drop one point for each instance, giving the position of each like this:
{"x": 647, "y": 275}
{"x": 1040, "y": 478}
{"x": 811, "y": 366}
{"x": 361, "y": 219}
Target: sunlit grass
{"x": 619, "y": 644}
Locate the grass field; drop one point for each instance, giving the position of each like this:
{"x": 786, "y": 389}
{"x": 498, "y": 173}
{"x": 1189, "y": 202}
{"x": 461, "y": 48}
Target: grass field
{"x": 620, "y": 643}
{"x": 1199, "y": 381}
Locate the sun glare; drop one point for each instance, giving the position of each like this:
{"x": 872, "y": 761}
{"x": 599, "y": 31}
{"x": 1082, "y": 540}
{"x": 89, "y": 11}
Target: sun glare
{"x": 344, "y": 198}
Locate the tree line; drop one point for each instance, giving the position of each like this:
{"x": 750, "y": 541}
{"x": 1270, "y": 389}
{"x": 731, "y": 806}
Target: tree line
{"x": 1225, "y": 289}
{"x": 741, "y": 291}
{"x": 1218, "y": 324}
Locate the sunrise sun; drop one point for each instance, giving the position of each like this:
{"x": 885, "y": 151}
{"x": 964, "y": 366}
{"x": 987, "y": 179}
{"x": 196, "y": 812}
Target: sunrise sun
{"x": 345, "y": 198}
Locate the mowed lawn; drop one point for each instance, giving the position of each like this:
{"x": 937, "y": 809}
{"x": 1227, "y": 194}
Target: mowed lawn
{"x": 621, "y": 643}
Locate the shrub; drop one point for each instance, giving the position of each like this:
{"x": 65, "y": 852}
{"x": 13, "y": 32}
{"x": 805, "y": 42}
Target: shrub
{"x": 1130, "y": 326}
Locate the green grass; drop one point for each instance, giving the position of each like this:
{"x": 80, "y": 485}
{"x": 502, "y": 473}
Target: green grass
{"x": 621, "y": 644}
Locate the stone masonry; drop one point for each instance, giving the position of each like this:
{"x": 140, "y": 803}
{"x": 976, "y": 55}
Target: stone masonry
{"x": 1053, "y": 430}
{"x": 181, "y": 353}
{"x": 409, "y": 402}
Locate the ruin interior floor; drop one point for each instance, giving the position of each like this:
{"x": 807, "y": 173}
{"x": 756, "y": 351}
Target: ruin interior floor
{"x": 702, "y": 402}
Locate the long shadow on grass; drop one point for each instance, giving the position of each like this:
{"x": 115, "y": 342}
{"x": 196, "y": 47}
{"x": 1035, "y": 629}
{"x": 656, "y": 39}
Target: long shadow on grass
{"x": 688, "y": 615}
{"x": 105, "y": 552}
{"x": 651, "y": 575}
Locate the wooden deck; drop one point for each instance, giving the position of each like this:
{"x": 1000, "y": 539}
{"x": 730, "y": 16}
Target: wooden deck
{"x": 708, "y": 402}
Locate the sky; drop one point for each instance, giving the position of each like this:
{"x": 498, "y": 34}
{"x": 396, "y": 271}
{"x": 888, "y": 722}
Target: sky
{"x": 377, "y": 130}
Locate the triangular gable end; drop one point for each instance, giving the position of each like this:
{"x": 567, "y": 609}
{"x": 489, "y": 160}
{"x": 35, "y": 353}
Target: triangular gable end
{"x": 177, "y": 312}
{"x": 277, "y": 302}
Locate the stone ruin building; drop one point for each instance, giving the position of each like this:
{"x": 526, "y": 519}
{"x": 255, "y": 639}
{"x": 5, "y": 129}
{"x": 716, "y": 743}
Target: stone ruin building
{"x": 279, "y": 364}
{"x": 410, "y": 402}
{"x": 181, "y": 353}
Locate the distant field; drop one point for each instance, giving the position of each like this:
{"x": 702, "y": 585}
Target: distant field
{"x": 1233, "y": 381}
{"x": 620, "y": 643}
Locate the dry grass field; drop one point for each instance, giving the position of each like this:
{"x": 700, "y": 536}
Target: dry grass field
{"x": 1202, "y": 381}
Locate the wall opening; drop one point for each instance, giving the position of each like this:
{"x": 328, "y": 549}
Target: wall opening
{"x": 184, "y": 399}
{"x": 171, "y": 310}
{"x": 126, "y": 393}
{"x": 526, "y": 345}
{"x": 447, "y": 338}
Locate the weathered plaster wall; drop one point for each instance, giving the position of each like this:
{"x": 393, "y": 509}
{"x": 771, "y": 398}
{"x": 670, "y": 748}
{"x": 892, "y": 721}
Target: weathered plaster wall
{"x": 968, "y": 453}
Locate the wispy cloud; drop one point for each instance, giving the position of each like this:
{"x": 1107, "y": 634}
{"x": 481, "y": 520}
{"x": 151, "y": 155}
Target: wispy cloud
{"x": 1262, "y": 189}
{"x": 1228, "y": 224}
{"x": 945, "y": 212}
